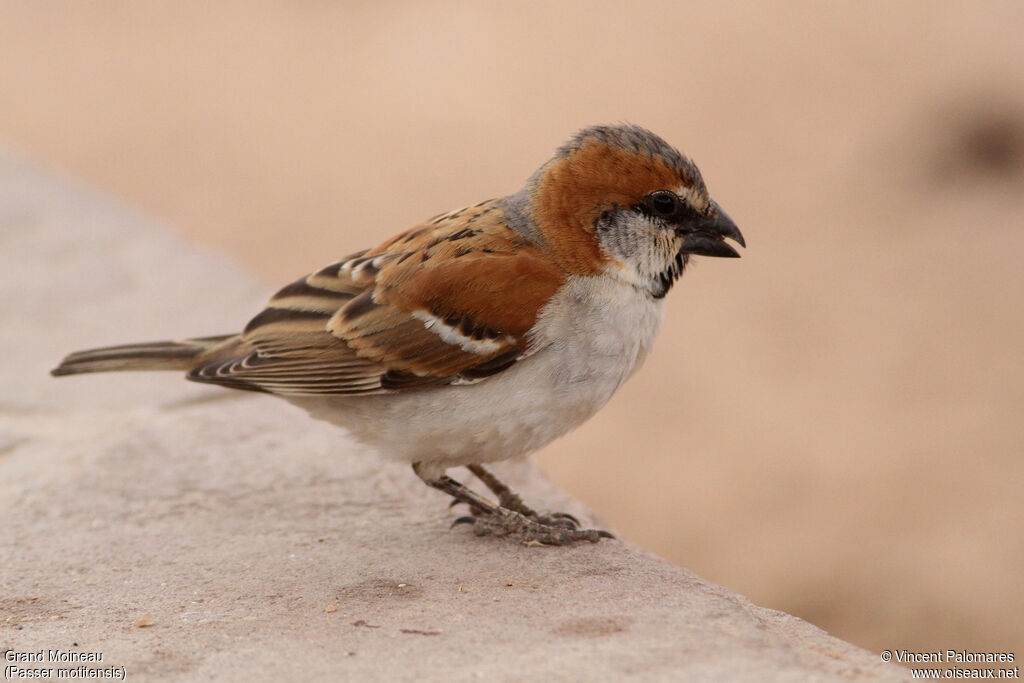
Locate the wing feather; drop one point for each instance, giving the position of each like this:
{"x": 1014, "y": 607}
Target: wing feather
{"x": 428, "y": 307}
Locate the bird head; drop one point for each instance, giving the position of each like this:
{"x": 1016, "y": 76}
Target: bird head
{"x": 620, "y": 200}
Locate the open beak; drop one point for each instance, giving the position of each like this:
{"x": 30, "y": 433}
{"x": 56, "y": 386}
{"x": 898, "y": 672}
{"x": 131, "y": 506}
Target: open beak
{"x": 706, "y": 235}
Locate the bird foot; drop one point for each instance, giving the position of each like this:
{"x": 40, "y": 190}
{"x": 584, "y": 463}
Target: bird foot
{"x": 554, "y": 529}
{"x": 562, "y": 519}
{"x": 509, "y": 517}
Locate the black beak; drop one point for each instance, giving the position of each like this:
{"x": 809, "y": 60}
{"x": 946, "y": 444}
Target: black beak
{"x": 705, "y": 236}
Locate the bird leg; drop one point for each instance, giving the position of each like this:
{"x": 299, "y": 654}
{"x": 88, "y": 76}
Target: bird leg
{"x": 498, "y": 520}
{"x": 509, "y": 499}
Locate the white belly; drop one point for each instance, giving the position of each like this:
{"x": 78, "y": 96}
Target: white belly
{"x": 592, "y": 335}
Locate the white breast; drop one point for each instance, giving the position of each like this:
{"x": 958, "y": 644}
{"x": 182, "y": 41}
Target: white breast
{"x": 591, "y": 336}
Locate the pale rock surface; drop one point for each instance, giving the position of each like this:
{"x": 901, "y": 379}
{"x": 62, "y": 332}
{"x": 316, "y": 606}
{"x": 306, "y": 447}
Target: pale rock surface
{"x": 192, "y": 533}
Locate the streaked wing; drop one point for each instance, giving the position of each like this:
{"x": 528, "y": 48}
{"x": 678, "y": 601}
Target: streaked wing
{"x": 428, "y": 307}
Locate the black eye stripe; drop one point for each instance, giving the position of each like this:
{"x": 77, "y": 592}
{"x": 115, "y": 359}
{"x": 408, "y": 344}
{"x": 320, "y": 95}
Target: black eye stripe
{"x": 665, "y": 204}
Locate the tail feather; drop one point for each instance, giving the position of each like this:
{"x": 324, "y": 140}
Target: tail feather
{"x": 162, "y": 355}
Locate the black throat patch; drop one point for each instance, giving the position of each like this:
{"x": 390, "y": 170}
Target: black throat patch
{"x": 664, "y": 280}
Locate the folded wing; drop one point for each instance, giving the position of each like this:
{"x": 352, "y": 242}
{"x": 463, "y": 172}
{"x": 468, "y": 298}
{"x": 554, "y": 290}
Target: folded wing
{"x": 448, "y": 302}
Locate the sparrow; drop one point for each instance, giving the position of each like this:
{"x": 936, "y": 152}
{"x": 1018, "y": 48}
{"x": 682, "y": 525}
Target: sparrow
{"x": 483, "y": 333}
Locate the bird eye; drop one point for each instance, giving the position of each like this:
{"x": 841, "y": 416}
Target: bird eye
{"x": 663, "y": 203}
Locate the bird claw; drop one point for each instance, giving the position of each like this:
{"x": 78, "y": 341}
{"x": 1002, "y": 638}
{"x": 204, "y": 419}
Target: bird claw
{"x": 555, "y": 529}
{"x": 467, "y": 519}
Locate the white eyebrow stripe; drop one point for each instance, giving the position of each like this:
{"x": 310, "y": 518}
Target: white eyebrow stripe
{"x": 453, "y": 335}
{"x": 697, "y": 201}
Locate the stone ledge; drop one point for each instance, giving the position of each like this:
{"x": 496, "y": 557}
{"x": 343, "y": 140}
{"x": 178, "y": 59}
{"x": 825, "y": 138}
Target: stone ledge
{"x": 191, "y": 533}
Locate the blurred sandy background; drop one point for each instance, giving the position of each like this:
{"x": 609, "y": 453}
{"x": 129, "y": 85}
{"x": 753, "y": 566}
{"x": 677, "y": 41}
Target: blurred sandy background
{"x": 831, "y": 425}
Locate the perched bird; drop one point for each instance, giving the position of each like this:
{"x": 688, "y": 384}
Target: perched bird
{"x": 485, "y": 332}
